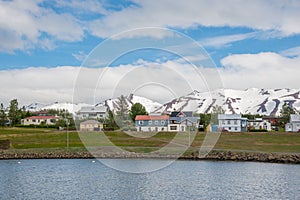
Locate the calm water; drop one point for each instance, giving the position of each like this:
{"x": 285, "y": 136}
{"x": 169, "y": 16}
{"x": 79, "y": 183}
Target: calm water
{"x": 85, "y": 179}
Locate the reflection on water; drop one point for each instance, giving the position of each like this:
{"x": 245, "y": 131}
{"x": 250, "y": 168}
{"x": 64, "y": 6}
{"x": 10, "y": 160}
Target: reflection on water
{"x": 85, "y": 179}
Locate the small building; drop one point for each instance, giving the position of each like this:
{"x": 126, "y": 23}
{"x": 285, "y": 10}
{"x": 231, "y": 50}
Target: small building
{"x": 38, "y": 120}
{"x": 294, "y": 124}
{"x": 182, "y": 121}
{"x": 259, "y": 124}
{"x": 148, "y": 123}
{"x": 232, "y": 123}
{"x": 92, "y": 112}
{"x": 91, "y": 125}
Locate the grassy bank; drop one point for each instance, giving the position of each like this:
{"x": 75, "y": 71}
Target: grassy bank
{"x": 34, "y": 139}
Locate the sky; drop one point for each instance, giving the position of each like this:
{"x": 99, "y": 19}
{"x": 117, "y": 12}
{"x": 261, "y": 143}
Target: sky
{"x": 92, "y": 50}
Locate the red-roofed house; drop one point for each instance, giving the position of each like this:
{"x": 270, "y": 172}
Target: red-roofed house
{"x": 38, "y": 120}
{"x": 151, "y": 122}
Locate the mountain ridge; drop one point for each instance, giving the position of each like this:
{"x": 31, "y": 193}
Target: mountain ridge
{"x": 248, "y": 101}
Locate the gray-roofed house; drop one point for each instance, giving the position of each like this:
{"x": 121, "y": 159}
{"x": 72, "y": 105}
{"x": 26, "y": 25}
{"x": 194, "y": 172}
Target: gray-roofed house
{"x": 232, "y": 122}
{"x": 182, "y": 121}
{"x": 92, "y": 112}
{"x": 294, "y": 124}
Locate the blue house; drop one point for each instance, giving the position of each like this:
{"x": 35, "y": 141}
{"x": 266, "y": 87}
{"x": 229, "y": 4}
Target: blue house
{"x": 150, "y": 123}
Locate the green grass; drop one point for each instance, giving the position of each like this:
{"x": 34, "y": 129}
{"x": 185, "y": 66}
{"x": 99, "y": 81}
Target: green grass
{"x": 51, "y": 140}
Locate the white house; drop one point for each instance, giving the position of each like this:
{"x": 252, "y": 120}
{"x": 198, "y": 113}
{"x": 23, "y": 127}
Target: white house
{"x": 149, "y": 123}
{"x": 91, "y": 125}
{"x": 232, "y": 122}
{"x": 259, "y": 123}
{"x": 92, "y": 112}
{"x": 294, "y": 125}
{"x": 38, "y": 120}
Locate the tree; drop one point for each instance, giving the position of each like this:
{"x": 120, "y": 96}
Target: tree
{"x": 122, "y": 112}
{"x": 205, "y": 120}
{"x": 110, "y": 123}
{"x": 137, "y": 109}
{"x": 285, "y": 113}
{"x": 3, "y": 117}
{"x": 14, "y": 114}
{"x": 214, "y": 114}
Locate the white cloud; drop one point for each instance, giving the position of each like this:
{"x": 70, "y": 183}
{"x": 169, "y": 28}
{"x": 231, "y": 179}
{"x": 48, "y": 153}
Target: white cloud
{"x": 281, "y": 16}
{"x": 25, "y": 24}
{"x": 158, "y": 81}
{"x": 262, "y": 70}
{"x": 80, "y": 56}
{"x": 295, "y": 51}
{"x": 225, "y": 40}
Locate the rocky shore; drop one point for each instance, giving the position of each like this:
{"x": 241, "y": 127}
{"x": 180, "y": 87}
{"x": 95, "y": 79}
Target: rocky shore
{"x": 291, "y": 158}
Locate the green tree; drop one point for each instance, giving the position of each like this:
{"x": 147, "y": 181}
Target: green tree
{"x": 122, "y": 112}
{"x": 110, "y": 123}
{"x": 214, "y": 114}
{"x": 285, "y": 113}
{"x": 14, "y": 114}
{"x": 137, "y": 109}
{"x": 205, "y": 120}
{"x": 3, "y": 117}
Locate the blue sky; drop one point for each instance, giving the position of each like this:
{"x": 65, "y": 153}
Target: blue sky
{"x": 240, "y": 36}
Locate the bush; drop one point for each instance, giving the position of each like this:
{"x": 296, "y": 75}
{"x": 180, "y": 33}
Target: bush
{"x": 258, "y": 130}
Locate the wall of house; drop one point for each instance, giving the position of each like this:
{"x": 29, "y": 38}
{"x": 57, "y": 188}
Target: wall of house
{"x": 231, "y": 125}
{"x": 38, "y": 121}
{"x": 91, "y": 127}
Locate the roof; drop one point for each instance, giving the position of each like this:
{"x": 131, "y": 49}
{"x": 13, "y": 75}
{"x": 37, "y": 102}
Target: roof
{"x": 42, "y": 117}
{"x": 181, "y": 119}
{"x": 90, "y": 122}
{"x": 184, "y": 113}
{"x": 229, "y": 116}
{"x": 152, "y": 117}
{"x": 92, "y": 109}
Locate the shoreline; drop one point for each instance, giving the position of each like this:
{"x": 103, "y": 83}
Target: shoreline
{"x": 288, "y": 158}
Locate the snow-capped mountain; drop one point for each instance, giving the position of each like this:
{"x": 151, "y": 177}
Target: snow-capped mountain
{"x": 72, "y": 108}
{"x": 34, "y": 107}
{"x": 250, "y": 101}
{"x": 132, "y": 99}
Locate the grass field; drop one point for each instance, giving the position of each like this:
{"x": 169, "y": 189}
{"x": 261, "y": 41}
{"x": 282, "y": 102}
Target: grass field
{"x": 50, "y": 139}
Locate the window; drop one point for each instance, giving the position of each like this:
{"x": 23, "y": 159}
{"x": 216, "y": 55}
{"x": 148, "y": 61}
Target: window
{"x": 228, "y": 121}
{"x": 173, "y": 128}
{"x": 235, "y": 128}
{"x": 141, "y": 122}
{"x": 156, "y": 122}
{"x": 150, "y": 122}
{"x": 229, "y": 128}
{"x": 235, "y": 122}
{"x": 223, "y": 121}
{"x": 33, "y": 120}
{"x": 162, "y": 122}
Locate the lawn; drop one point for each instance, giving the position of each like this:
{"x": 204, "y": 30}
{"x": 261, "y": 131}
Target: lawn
{"x": 47, "y": 139}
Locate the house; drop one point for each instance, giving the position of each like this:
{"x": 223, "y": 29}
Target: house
{"x": 38, "y": 120}
{"x": 92, "y": 112}
{"x": 259, "y": 123}
{"x": 151, "y": 122}
{"x": 232, "y": 122}
{"x": 294, "y": 125}
{"x": 182, "y": 121}
{"x": 91, "y": 125}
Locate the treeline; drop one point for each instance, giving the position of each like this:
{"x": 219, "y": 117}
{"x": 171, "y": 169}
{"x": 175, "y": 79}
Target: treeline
{"x": 13, "y": 114}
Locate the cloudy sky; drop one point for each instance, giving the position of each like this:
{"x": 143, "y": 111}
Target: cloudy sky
{"x": 145, "y": 47}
